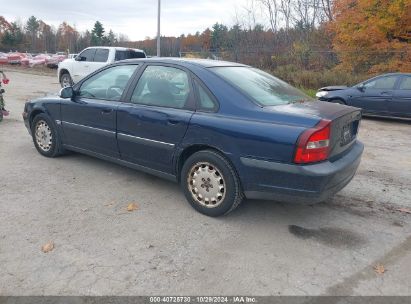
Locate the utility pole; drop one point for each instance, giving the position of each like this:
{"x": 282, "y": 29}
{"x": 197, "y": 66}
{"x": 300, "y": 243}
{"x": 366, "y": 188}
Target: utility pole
{"x": 158, "y": 29}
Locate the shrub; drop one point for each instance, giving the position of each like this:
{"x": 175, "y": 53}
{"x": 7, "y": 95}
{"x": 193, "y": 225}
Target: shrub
{"x": 316, "y": 79}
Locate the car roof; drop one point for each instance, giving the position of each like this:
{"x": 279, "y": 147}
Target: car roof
{"x": 205, "y": 63}
{"x": 114, "y": 47}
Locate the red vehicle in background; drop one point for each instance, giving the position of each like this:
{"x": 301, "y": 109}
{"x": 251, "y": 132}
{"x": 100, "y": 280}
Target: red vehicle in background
{"x": 15, "y": 58}
{"x": 3, "y": 58}
{"x": 29, "y": 60}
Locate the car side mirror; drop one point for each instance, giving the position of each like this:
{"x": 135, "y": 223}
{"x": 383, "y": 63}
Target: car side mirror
{"x": 80, "y": 58}
{"x": 361, "y": 88}
{"x": 66, "y": 93}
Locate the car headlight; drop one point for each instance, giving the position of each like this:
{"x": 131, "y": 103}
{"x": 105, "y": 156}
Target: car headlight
{"x": 321, "y": 94}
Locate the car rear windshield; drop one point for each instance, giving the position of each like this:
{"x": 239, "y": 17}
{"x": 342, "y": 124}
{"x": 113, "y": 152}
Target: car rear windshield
{"x": 265, "y": 89}
{"x": 129, "y": 54}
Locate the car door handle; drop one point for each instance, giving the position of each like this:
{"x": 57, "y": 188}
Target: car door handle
{"x": 106, "y": 111}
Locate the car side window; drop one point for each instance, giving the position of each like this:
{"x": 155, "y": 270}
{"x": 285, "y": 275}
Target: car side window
{"x": 382, "y": 83}
{"x": 406, "y": 83}
{"x": 87, "y": 55}
{"x": 128, "y": 54}
{"x": 206, "y": 102}
{"x": 162, "y": 86}
{"x": 108, "y": 84}
{"x": 101, "y": 55}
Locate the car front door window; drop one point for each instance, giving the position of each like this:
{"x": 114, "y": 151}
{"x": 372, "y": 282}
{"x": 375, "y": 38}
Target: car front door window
{"x": 87, "y": 55}
{"x": 108, "y": 84}
{"x": 382, "y": 83}
{"x": 162, "y": 86}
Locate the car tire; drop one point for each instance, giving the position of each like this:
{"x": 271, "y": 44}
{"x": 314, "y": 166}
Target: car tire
{"x": 211, "y": 184}
{"x": 45, "y": 136}
{"x": 65, "y": 80}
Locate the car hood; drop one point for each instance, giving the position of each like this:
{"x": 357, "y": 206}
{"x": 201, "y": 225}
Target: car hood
{"x": 67, "y": 61}
{"x": 333, "y": 88}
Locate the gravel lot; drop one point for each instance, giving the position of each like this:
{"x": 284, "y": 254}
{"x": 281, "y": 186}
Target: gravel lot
{"x": 165, "y": 247}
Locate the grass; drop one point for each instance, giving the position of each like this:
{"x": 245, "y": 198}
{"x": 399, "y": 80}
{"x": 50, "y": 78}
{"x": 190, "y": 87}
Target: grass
{"x": 309, "y": 92}
{"x": 311, "y": 81}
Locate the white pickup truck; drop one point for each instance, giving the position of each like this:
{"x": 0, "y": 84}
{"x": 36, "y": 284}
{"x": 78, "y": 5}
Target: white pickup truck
{"x": 90, "y": 59}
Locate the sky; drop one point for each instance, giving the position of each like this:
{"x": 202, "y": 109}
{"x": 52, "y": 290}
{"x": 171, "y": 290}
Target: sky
{"x": 135, "y": 18}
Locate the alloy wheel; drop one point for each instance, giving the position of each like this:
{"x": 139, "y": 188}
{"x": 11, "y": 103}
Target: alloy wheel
{"x": 43, "y": 135}
{"x": 206, "y": 184}
{"x": 65, "y": 81}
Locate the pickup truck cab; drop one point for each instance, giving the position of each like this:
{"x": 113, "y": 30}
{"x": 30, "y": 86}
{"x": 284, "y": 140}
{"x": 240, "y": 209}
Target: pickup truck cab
{"x": 70, "y": 71}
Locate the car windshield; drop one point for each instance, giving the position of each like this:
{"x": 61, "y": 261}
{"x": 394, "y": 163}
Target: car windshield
{"x": 265, "y": 89}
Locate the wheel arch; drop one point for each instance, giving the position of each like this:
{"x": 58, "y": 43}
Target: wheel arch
{"x": 63, "y": 71}
{"x": 34, "y": 113}
{"x": 338, "y": 98}
{"x": 190, "y": 150}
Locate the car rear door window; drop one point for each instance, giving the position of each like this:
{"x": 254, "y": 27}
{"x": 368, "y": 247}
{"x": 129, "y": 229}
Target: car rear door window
{"x": 405, "y": 83}
{"x": 206, "y": 102}
{"x": 162, "y": 86}
{"x": 87, "y": 55}
{"x": 128, "y": 54}
{"x": 382, "y": 83}
{"x": 101, "y": 55}
{"x": 108, "y": 84}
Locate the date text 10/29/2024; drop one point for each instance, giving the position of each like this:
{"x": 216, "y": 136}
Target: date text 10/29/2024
{"x": 206, "y": 299}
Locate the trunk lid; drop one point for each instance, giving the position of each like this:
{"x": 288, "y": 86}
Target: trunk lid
{"x": 345, "y": 121}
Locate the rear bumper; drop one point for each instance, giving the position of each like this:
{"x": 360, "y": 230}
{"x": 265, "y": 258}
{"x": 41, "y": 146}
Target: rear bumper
{"x": 300, "y": 183}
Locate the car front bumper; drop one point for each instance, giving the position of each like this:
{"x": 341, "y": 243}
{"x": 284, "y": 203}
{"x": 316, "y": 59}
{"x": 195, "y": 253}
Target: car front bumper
{"x": 26, "y": 121}
{"x": 300, "y": 183}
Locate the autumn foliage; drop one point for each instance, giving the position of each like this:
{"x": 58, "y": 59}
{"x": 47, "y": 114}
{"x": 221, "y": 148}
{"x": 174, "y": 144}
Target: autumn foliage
{"x": 309, "y": 43}
{"x": 372, "y": 35}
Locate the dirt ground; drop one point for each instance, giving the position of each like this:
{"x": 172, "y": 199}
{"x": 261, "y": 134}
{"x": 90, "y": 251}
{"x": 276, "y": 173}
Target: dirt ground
{"x": 165, "y": 247}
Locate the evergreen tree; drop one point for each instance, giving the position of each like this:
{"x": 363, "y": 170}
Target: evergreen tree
{"x": 111, "y": 38}
{"x": 219, "y": 36}
{"x": 32, "y": 28}
{"x": 97, "y": 34}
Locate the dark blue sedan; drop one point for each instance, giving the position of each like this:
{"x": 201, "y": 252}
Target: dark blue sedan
{"x": 386, "y": 95}
{"x": 224, "y": 131}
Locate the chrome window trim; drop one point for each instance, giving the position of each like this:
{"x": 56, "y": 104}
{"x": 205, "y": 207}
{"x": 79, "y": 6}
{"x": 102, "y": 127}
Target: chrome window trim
{"x": 146, "y": 139}
{"x": 87, "y": 127}
{"x": 134, "y": 138}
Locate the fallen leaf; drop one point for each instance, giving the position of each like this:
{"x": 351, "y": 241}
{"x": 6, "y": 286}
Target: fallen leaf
{"x": 404, "y": 210}
{"x": 47, "y": 247}
{"x": 132, "y": 207}
{"x": 109, "y": 204}
{"x": 379, "y": 268}
{"x": 84, "y": 210}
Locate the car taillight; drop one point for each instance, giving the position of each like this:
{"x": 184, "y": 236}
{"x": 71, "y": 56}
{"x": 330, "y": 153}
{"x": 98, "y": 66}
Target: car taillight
{"x": 313, "y": 144}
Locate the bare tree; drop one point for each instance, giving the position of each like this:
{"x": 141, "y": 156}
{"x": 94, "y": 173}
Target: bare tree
{"x": 272, "y": 7}
{"x": 286, "y": 11}
{"x": 327, "y": 6}
{"x": 306, "y": 12}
